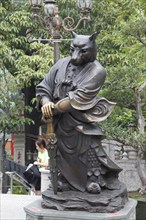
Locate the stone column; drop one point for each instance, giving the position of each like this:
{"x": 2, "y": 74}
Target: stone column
{"x": 45, "y": 180}
{"x": 1, "y": 181}
{"x": 19, "y": 148}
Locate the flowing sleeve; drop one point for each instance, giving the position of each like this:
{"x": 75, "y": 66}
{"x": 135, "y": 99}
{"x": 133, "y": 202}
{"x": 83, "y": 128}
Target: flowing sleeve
{"x": 85, "y": 99}
{"x": 85, "y": 96}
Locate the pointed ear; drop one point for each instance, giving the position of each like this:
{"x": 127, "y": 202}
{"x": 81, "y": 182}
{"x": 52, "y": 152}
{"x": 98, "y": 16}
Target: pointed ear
{"x": 93, "y": 36}
{"x": 73, "y": 34}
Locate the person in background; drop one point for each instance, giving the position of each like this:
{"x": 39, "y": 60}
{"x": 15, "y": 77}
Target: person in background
{"x": 41, "y": 162}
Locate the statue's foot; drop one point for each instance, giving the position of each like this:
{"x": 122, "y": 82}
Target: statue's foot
{"x": 63, "y": 186}
{"x": 93, "y": 187}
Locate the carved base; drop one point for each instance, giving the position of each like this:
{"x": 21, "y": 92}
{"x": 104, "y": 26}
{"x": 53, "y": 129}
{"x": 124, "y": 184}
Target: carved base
{"x": 106, "y": 201}
{"x": 34, "y": 211}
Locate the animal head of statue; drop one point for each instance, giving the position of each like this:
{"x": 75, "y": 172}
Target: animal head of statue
{"x": 83, "y": 49}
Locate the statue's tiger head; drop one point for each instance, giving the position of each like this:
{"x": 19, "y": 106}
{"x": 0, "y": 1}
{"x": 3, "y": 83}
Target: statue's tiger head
{"x": 83, "y": 49}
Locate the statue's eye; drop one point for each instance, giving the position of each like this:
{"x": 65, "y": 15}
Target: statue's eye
{"x": 83, "y": 50}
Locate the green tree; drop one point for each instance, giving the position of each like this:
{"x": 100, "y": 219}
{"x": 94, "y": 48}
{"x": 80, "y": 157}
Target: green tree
{"x": 11, "y": 103}
{"x": 121, "y": 49}
{"x": 22, "y": 55}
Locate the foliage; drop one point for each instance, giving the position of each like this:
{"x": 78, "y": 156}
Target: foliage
{"x": 20, "y": 54}
{"x": 136, "y": 195}
{"x": 22, "y": 61}
{"x": 11, "y": 103}
{"x": 121, "y": 28}
{"x": 121, "y": 49}
{"x": 18, "y": 188}
{"x": 34, "y": 67}
{"x": 121, "y": 126}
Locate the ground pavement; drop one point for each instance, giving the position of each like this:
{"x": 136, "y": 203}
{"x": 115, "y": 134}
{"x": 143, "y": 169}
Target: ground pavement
{"x": 12, "y": 206}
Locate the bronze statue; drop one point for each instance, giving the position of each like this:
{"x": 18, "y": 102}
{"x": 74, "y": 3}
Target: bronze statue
{"x": 68, "y": 94}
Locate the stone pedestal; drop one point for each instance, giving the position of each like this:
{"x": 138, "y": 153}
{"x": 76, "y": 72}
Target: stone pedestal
{"x": 1, "y": 181}
{"x": 45, "y": 182}
{"x": 129, "y": 174}
{"x": 34, "y": 211}
{"x": 141, "y": 209}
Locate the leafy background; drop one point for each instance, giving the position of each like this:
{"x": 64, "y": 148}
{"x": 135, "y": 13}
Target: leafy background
{"x": 25, "y": 59}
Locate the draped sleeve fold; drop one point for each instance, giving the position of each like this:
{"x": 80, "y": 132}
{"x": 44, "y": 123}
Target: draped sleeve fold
{"x": 84, "y": 98}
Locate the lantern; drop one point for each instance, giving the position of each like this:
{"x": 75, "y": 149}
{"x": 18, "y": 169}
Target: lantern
{"x": 37, "y": 3}
{"x": 84, "y": 4}
{"x": 49, "y": 8}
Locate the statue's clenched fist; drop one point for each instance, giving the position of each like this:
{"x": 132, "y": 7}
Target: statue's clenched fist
{"x": 47, "y": 109}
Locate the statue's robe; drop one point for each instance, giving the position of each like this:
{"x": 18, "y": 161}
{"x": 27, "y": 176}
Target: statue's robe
{"x": 77, "y": 130}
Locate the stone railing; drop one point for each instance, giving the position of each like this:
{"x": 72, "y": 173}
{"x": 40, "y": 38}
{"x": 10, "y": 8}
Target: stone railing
{"x": 128, "y": 153}
{"x": 126, "y": 158}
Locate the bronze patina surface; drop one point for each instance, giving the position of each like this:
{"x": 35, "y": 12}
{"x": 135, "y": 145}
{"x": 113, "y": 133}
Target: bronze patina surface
{"x": 69, "y": 95}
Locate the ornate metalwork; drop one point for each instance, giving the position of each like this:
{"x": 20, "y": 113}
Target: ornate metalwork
{"x": 69, "y": 22}
{"x": 52, "y": 21}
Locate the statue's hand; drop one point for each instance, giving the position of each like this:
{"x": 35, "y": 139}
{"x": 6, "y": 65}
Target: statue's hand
{"x": 47, "y": 109}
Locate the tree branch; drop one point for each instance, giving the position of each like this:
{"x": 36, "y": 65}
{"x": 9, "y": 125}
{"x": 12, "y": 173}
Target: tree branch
{"x": 138, "y": 38}
{"x": 142, "y": 86}
{"x": 143, "y": 104}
